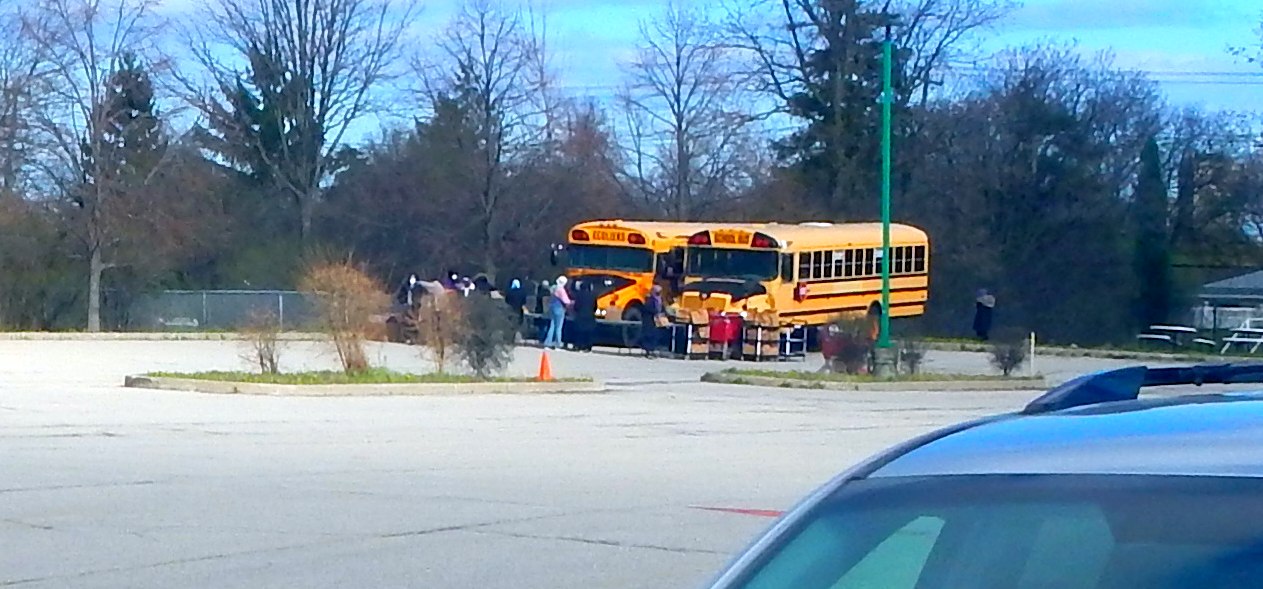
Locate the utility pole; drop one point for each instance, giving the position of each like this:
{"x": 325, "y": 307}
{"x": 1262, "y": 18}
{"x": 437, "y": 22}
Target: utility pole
{"x": 884, "y": 355}
{"x": 887, "y": 97}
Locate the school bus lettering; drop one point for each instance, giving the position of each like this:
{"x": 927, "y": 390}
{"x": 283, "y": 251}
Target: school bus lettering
{"x": 731, "y": 237}
{"x": 609, "y": 235}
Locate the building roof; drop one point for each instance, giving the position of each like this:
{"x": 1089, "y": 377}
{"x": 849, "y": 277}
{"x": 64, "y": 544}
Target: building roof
{"x": 1206, "y": 435}
{"x": 1246, "y": 288}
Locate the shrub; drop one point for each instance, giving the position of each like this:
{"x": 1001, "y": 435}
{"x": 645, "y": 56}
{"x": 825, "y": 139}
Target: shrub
{"x": 1008, "y": 353}
{"x": 911, "y": 354}
{"x": 486, "y": 338}
{"x": 262, "y": 339}
{"x": 439, "y": 323}
{"x": 847, "y": 345}
{"x": 346, "y": 298}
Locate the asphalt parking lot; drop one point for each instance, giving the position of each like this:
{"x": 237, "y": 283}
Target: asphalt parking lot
{"x": 102, "y": 486}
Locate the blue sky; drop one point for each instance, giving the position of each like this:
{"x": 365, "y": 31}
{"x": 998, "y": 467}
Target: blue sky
{"x": 1171, "y": 38}
{"x": 589, "y": 37}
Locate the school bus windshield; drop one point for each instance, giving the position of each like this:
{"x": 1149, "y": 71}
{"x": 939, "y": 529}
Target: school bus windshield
{"x": 726, "y": 263}
{"x": 609, "y": 257}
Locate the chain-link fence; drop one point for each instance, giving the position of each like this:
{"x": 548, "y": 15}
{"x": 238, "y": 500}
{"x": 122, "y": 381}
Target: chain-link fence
{"x": 212, "y": 310}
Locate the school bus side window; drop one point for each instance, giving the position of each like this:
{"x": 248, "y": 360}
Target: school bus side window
{"x": 804, "y": 266}
{"x": 817, "y": 265}
{"x": 839, "y": 264}
{"x": 918, "y": 259}
{"x": 787, "y": 267}
{"x": 828, "y": 264}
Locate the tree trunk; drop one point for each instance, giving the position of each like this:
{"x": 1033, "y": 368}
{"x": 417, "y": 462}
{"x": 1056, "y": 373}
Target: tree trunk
{"x": 306, "y": 211}
{"x": 96, "y": 267}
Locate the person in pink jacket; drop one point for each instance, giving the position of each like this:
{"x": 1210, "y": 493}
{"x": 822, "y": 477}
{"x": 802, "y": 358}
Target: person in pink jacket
{"x": 557, "y": 311}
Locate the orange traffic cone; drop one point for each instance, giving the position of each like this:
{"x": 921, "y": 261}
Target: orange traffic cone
{"x": 545, "y": 368}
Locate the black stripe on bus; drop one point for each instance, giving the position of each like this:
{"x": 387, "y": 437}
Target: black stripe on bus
{"x": 859, "y": 278}
{"x": 850, "y": 308}
{"x": 863, "y": 292}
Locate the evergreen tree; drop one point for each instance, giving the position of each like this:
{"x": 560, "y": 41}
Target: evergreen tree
{"x": 837, "y": 154}
{"x": 1152, "y": 247}
{"x": 128, "y": 141}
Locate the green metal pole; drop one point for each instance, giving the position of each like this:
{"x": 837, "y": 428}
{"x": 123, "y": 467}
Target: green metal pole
{"x": 887, "y": 98}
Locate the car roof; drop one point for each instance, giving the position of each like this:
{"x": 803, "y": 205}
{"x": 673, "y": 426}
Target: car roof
{"x": 1201, "y": 435}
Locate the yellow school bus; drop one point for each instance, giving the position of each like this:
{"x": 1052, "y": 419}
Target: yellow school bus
{"x": 808, "y": 274}
{"x": 626, "y": 259}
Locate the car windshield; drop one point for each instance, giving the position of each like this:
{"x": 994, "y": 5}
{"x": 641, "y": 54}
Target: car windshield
{"x": 609, "y": 257}
{"x": 730, "y": 263}
{"x": 1071, "y": 532}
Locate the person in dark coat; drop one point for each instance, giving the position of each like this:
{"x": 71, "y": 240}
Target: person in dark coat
{"x": 984, "y": 307}
{"x": 541, "y": 296}
{"x": 649, "y": 330}
{"x": 585, "y": 316}
{"x": 515, "y": 298}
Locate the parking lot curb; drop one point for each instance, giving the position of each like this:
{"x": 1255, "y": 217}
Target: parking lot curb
{"x": 143, "y": 336}
{"x": 1063, "y": 352}
{"x": 360, "y": 390}
{"x": 1013, "y": 384}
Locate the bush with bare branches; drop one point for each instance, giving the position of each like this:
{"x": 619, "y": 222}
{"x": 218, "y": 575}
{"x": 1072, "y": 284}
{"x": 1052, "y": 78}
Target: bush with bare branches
{"x": 261, "y": 335}
{"x": 911, "y": 355}
{"x": 1008, "y": 352}
{"x": 847, "y": 345}
{"x": 440, "y": 321}
{"x": 346, "y": 298}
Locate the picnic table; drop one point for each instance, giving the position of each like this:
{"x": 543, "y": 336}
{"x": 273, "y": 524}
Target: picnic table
{"x": 1251, "y": 336}
{"x": 1175, "y": 335}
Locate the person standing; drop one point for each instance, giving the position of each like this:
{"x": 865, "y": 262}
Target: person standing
{"x": 515, "y": 298}
{"x": 541, "y": 295}
{"x": 585, "y": 316}
{"x": 654, "y": 308}
{"x": 557, "y": 307}
{"x": 984, "y": 308}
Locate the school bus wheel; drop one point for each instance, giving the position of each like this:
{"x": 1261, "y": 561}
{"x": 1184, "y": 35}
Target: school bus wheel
{"x": 634, "y": 312}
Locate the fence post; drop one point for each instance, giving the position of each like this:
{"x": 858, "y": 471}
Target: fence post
{"x": 1030, "y": 366}
{"x": 280, "y": 304}
{"x": 205, "y": 316}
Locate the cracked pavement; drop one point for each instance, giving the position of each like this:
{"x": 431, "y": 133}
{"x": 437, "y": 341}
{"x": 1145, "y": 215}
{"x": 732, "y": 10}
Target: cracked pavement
{"x": 102, "y": 486}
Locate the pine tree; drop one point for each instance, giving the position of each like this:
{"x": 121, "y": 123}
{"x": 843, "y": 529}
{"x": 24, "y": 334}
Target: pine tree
{"x": 1152, "y": 246}
{"x": 837, "y": 154}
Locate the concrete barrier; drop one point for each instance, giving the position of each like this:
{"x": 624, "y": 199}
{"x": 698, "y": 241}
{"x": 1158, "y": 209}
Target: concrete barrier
{"x": 1099, "y": 353}
{"x": 360, "y": 390}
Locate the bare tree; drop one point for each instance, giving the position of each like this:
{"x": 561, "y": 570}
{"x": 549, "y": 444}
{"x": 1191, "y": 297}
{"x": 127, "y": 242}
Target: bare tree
{"x": 288, "y": 79}
{"x": 23, "y": 68}
{"x": 86, "y": 43}
{"x": 686, "y": 130}
{"x": 490, "y": 71}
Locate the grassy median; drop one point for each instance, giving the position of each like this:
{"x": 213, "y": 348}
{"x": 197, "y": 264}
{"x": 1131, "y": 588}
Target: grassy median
{"x": 371, "y": 376}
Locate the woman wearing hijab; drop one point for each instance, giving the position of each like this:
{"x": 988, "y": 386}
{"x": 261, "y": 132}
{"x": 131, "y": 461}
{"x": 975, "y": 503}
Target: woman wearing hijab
{"x": 516, "y": 300}
{"x": 585, "y": 316}
{"x": 654, "y": 307}
{"x": 541, "y": 295}
{"x": 984, "y": 307}
{"x": 557, "y": 307}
